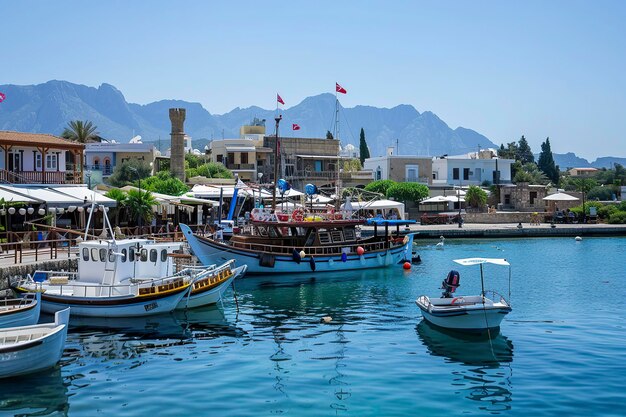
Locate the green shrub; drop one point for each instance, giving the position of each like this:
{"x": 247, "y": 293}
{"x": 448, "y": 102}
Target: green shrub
{"x": 407, "y": 191}
{"x": 606, "y": 211}
{"x": 476, "y": 197}
{"x": 380, "y": 186}
{"x": 618, "y": 217}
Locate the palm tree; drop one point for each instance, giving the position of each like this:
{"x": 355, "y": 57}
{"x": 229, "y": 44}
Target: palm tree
{"x": 121, "y": 197}
{"x": 81, "y": 132}
{"x": 139, "y": 204}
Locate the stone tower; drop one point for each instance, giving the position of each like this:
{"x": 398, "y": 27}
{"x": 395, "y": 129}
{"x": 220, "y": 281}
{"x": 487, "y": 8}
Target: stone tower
{"x": 177, "y": 157}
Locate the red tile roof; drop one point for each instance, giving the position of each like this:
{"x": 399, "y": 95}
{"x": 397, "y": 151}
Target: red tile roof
{"x": 37, "y": 139}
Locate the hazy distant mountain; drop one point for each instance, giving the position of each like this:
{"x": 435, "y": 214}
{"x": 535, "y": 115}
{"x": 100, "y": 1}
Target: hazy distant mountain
{"x": 47, "y": 108}
{"x": 570, "y": 160}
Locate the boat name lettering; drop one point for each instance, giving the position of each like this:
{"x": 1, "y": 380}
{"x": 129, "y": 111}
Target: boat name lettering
{"x": 151, "y": 306}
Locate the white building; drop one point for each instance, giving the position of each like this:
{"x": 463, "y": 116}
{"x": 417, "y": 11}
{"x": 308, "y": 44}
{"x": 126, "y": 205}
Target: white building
{"x": 471, "y": 169}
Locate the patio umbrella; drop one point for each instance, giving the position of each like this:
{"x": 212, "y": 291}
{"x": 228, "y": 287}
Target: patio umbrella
{"x": 560, "y": 197}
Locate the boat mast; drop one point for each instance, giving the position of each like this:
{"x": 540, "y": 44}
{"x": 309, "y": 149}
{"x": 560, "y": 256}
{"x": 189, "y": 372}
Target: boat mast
{"x": 276, "y": 162}
{"x": 482, "y": 283}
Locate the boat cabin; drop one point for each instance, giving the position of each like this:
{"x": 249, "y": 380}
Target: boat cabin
{"x": 126, "y": 259}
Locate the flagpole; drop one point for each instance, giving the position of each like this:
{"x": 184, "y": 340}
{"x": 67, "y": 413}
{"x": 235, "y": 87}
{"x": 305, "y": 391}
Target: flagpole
{"x": 276, "y": 161}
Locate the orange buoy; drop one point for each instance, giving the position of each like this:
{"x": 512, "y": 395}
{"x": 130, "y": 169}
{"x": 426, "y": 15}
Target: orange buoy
{"x": 407, "y": 265}
{"x": 360, "y": 251}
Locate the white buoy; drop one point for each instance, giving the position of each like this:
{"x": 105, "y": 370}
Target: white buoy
{"x": 327, "y": 319}
{"x": 578, "y": 238}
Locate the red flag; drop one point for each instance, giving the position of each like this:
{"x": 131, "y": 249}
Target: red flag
{"x": 2, "y": 97}
{"x": 340, "y": 89}
{"x": 295, "y": 126}
{"x": 280, "y": 99}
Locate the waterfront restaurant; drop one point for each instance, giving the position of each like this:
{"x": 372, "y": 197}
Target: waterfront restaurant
{"x": 36, "y": 158}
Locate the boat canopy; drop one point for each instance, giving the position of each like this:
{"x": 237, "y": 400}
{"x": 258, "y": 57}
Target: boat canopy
{"x": 478, "y": 261}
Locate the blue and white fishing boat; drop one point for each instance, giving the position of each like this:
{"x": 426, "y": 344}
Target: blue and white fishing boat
{"x": 22, "y": 311}
{"x": 474, "y": 313}
{"x": 28, "y": 349}
{"x": 296, "y": 243}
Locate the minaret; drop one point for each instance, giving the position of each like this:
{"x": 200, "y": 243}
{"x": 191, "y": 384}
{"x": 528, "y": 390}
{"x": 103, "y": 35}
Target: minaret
{"x": 177, "y": 158}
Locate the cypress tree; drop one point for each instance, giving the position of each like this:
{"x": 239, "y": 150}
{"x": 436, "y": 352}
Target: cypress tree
{"x": 364, "y": 151}
{"x": 524, "y": 153}
{"x": 546, "y": 162}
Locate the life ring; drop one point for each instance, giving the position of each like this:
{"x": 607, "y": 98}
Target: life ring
{"x": 298, "y": 215}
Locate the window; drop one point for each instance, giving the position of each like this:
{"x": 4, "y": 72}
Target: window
{"x": 379, "y": 174}
{"x": 85, "y": 254}
{"x": 153, "y": 255}
{"x": 144, "y": 255}
{"x": 94, "y": 254}
{"x": 111, "y": 256}
{"x": 533, "y": 197}
{"x": 466, "y": 173}
{"x": 131, "y": 255}
{"x": 124, "y": 255}
{"x": 38, "y": 162}
{"x": 289, "y": 169}
{"x": 507, "y": 199}
{"x": 51, "y": 161}
{"x": 244, "y": 157}
{"x": 96, "y": 164}
{"x": 163, "y": 255}
{"x": 231, "y": 158}
{"x": 103, "y": 255}
{"x": 412, "y": 173}
{"x": 220, "y": 158}
{"x": 318, "y": 166}
{"x": 455, "y": 173}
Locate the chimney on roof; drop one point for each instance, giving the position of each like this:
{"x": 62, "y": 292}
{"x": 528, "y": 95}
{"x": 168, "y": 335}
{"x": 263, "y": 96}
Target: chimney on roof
{"x": 177, "y": 158}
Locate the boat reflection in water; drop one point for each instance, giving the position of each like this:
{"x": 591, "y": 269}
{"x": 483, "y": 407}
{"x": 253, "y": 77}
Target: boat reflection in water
{"x": 485, "y": 374}
{"x": 41, "y": 394}
{"x": 129, "y": 337}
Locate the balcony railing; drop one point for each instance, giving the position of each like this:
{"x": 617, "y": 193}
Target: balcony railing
{"x": 106, "y": 169}
{"x": 240, "y": 166}
{"x": 39, "y": 177}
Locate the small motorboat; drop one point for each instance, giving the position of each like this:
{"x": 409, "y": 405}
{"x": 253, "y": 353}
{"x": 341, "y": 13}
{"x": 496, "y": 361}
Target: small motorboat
{"x": 22, "y": 311}
{"x": 210, "y": 284}
{"x": 28, "y": 349}
{"x": 474, "y": 313}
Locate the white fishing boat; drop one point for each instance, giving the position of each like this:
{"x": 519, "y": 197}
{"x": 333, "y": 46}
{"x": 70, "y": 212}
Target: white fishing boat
{"x": 474, "y": 313}
{"x": 129, "y": 278}
{"x": 22, "y": 311}
{"x": 28, "y": 349}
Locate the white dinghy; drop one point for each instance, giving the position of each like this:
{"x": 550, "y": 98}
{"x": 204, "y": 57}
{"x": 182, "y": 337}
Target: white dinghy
{"x": 474, "y": 313}
{"x": 20, "y": 311}
{"x": 28, "y": 349}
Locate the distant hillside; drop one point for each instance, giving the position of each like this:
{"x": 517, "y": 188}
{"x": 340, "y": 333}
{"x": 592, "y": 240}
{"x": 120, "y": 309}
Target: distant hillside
{"x": 570, "y": 160}
{"x": 46, "y": 108}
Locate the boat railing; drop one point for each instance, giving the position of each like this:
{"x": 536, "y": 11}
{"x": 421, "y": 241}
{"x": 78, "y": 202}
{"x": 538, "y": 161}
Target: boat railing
{"x": 495, "y": 297}
{"x": 67, "y": 280}
{"x": 312, "y": 250}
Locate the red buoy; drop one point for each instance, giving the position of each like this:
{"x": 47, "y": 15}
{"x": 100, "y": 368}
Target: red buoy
{"x": 360, "y": 251}
{"x": 407, "y": 265}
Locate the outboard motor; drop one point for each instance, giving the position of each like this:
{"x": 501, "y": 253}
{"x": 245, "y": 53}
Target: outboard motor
{"x": 450, "y": 284}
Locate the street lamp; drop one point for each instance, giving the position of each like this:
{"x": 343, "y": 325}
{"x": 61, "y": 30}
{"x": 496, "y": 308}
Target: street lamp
{"x": 88, "y": 175}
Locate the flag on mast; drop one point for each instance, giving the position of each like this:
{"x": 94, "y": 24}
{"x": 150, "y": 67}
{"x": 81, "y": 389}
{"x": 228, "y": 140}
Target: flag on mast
{"x": 280, "y": 99}
{"x": 2, "y": 97}
{"x": 295, "y": 126}
{"x": 340, "y": 89}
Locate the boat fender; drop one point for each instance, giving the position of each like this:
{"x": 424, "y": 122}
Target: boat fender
{"x": 331, "y": 263}
{"x": 380, "y": 259}
{"x": 344, "y": 257}
{"x": 296, "y": 256}
{"x": 312, "y": 263}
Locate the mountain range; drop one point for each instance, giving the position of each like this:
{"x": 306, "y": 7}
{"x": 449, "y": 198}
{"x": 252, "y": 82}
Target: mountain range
{"x": 48, "y": 107}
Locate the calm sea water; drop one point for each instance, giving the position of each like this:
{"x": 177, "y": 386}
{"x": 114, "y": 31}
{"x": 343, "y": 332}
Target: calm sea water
{"x": 561, "y": 351}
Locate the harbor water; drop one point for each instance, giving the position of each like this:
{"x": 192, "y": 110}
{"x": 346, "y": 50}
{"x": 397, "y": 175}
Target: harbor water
{"x": 560, "y": 351}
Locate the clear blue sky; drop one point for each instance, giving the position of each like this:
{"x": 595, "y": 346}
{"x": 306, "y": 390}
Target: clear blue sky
{"x": 538, "y": 68}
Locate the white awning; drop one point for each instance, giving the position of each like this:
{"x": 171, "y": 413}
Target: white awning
{"x": 84, "y": 193}
{"x": 240, "y": 148}
{"x": 9, "y": 196}
{"x": 318, "y": 156}
{"x": 478, "y": 261}
{"x": 560, "y": 197}
{"x": 290, "y": 193}
{"x": 378, "y": 205}
{"x": 47, "y": 195}
{"x": 166, "y": 198}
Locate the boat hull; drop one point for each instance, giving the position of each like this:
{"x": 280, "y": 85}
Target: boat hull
{"x": 473, "y": 319}
{"x": 34, "y": 356}
{"x": 212, "y": 295}
{"x": 112, "y": 306}
{"x": 23, "y": 316}
{"x": 209, "y": 252}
